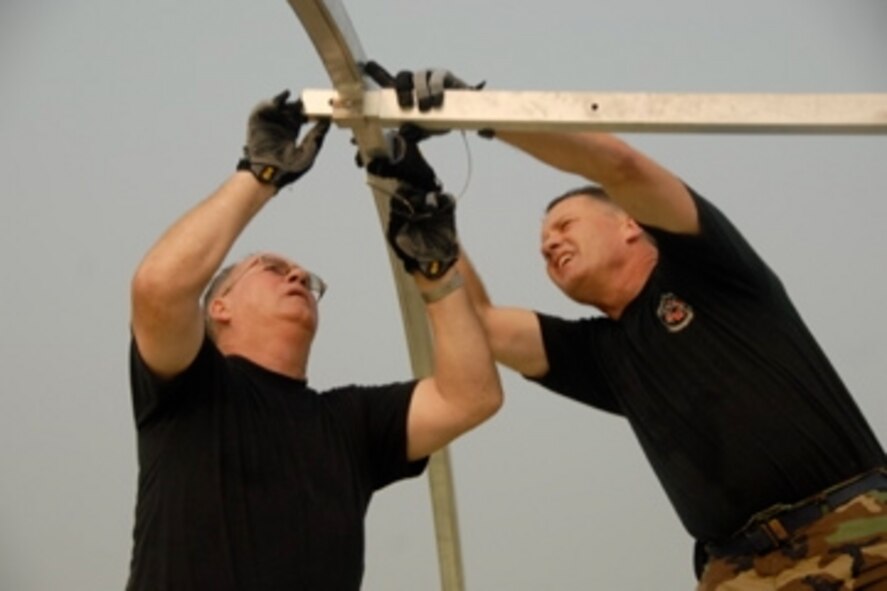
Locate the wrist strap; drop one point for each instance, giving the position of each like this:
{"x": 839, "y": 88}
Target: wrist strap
{"x": 265, "y": 173}
{"x": 443, "y": 290}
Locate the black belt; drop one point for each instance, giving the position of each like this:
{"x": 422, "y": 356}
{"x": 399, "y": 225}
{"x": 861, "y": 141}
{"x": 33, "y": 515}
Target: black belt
{"x": 769, "y": 529}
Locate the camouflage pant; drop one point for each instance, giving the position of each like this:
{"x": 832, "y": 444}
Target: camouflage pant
{"x": 844, "y": 550}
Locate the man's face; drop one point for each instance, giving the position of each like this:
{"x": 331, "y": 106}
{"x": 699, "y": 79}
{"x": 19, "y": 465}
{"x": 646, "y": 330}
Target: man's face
{"x": 582, "y": 238}
{"x": 268, "y": 288}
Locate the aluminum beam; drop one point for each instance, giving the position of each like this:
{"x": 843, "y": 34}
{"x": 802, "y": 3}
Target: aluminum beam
{"x": 607, "y": 111}
{"x": 334, "y": 38}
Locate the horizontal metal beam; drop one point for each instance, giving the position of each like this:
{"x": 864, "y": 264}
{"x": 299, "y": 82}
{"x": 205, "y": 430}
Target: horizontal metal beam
{"x": 608, "y": 111}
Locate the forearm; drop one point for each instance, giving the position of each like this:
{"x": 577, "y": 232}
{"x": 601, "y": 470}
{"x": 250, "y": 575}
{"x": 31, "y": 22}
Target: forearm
{"x": 474, "y": 286}
{"x": 182, "y": 262}
{"x": 464, "y": 369}
{"x": 650, "y": 193}
{"x": 513, "y": 333}
{"x": 599, "y": 157}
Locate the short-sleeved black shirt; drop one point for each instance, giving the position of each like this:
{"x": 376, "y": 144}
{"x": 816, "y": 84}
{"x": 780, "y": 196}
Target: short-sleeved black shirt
{"x": 250, "y": 480}
{"x": 734, "y": 403}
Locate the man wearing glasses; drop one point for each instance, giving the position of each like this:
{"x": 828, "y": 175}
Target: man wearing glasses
{"x": 248, "y": 478}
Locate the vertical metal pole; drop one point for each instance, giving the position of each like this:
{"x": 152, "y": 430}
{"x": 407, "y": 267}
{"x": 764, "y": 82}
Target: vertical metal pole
{"x": 334, "y": 38}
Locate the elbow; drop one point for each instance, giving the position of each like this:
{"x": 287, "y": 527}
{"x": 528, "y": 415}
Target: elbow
{"x": 154, "y": 287}
{"x": 150, "y": 284}
{"x": 145, "y": 285}
{"x": 147, "y": 297}
{"x": 495, "y": 403}
{"x": 488, "y": 402}
{"x": 474, "y": 403}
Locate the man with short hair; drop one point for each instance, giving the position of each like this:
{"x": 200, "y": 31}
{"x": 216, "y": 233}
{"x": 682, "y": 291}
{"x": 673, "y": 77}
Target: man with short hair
{"x": 739, "y": 412}
{"x": 762, "y": 451}
{"x": 248, "y": 478}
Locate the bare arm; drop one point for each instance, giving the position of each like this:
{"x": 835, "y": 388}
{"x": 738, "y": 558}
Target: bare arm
{"x": 167, "y": 320}
{"x": 648, "y": 192}
{"x": 514, "y": 333}
{"x": 464, "y": 389}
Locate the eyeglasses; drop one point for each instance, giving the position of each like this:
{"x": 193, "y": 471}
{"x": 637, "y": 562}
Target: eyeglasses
{"x": 281, "y": 268}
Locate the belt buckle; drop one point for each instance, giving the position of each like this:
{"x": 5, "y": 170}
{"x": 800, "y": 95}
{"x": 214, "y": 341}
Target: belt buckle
{"x": 766, "y": 536}
{"x": 776, "y": 531}
{"x": 766, "y": 515}
{"x": 767, "y": 522}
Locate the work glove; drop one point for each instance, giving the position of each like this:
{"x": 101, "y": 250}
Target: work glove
{"x": 406, "y": 164}
{"x": 425, "y": 87}
{"x": 421, "y": 222}
{"x": 271, "y": 152}
{"x": 422, "y": 231}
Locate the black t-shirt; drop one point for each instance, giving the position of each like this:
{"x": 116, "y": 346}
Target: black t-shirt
{"x": 734, "y": 403}
{"x": 250, "y": 480}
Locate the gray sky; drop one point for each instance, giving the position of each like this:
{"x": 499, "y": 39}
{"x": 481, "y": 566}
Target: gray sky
{"x": 117, "y": 116}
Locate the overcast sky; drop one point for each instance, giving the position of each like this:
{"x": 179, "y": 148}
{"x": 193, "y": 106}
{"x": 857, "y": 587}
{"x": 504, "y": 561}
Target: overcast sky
{"x": 116, "y": 116}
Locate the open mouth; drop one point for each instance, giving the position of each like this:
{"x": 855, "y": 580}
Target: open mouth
{"x": 563, "y": 260}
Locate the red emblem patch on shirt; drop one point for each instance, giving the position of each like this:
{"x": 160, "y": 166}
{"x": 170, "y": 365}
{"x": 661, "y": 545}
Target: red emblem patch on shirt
{"x": 674, "y": 313}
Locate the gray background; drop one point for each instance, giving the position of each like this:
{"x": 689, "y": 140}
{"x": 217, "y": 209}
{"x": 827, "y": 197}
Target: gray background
{"x": 116, "y": 116}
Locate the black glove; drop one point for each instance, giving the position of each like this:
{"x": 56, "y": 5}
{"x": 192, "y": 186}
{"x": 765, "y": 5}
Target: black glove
{"x": 422, "y": 231}
{"x": 406, "y": 164}
{"x": 427, "y": 85}
{"x": 421, "y": 223}
{"x": 271, "y": 152}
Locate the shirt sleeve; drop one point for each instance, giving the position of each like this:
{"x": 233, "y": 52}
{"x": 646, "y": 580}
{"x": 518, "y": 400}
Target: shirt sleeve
{"x": 153, "y": 396}
{"x": 719, "y": 251}
{"x": 573, "y": 349}
{"x": 383, "y": 412}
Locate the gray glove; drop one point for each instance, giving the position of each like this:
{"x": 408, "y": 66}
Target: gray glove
{"x": 271, "y": 152}
{"x": 422, "y": 231}
{"x": 422, "y": 221}
{"x": 427, "y": 85}
{"x": 406, "y": 163}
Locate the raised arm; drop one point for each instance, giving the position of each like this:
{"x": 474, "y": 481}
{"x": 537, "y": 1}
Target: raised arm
{"x": 647, "y": 191}
{"x": 464, "y": 388}
{"x": 167, "y": 320}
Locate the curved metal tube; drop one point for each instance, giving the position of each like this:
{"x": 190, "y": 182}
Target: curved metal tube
{"x": 331, "y": 32}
